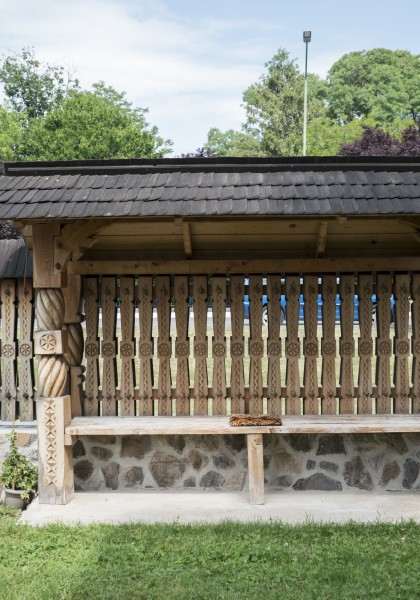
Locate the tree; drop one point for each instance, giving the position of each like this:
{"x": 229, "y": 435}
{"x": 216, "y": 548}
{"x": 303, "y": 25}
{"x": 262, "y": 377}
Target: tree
{"x": 376, "y": 142}
{"x": 11, "y": 134}
{"x": 380, "y": 83}
{"x": 232, "y": 143}
{"x": 33, "y": 87}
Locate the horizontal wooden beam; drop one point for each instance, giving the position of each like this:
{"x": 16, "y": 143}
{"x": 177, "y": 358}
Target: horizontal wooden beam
{"x": 226, "y": 267}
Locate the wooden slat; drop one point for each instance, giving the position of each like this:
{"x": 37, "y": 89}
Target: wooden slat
{"x": 415, "y": 342}
{"x": 292, "y": 350}
{"x": 9, "y": 343}
{"x": 274, "y": 345}
{"x": 255, "y": 468}
{"x": 91, "y": 401}
{"x": 328, "y": 345}
{"x": 26, "y": 371}
{"x": 237, "y": 344}
{"x": 218, "y": 292}
{"x": 109, "y": 346}
{"x": 145, "y": 293}
{"x": 310, "y": 295}
{"x": 401, "y": 343}
{"x": 164, "y": 349}
{"x": 200, "y": 346}
{"x": 383, "y": 343}
{"x": 346, "y": 288}
{"x": 127, "y": 346}
{"x": 182, "y": 345}
{"x": 256, "y": 345}
{"x": 365, "y": 292}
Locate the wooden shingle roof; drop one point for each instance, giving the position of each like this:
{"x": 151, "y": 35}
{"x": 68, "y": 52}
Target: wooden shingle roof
{"x": 15, "y": 259}
{"x": 205, "y": 187}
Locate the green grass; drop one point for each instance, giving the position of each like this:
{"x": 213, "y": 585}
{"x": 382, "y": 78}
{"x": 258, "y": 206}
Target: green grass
{"x": 230, "y": 560}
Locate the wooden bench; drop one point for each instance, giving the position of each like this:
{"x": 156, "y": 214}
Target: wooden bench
{"x": 219, "y": 425}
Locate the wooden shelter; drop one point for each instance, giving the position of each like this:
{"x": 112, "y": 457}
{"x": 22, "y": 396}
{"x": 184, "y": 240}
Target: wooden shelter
{"x": 130, "y": 238}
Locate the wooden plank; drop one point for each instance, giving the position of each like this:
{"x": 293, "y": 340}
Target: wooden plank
{"x": 346, "y": 289}
{"x": 255, "y": 468}
{"x": 383, "y": 343}
{"x": 310, "y": 348}
{"x": 401, "y": 343}
{"x": 228, "y": 267}
{"x": 164, "y": 349}
{"x": 237, "y": 344}
{"x": 127, "y": 345}
{"x": 200, "y": 345}
{"x": 415, "y": 340}
{"x": 109, "y": 346}
{"x": 182, "y": 345}
{"x": 328, "y": 345}
{"x": 365, "y": 292}
{"x": 218, "y": 292}
{"x": 256, "y": 345}
{"x": 274, "y": 345}
{"x": 322, "y": 239}
{"x": 8, "y": 350}
{"x": 292, "y": 350}
{"x": 43, "y": 255}
{"x": 186, "y": 234}
{"x": 91, "y": 400}
{"x": 26, "y": 355}
{"x": 145, "y": 292}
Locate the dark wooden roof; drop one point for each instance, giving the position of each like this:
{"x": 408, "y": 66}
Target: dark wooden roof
{"x": 15, "y": 259}
{"x": 201, "y": 187}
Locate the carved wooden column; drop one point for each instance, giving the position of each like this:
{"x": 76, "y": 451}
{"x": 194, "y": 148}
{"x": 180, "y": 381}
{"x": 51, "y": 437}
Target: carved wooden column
{"x": 74, "y": 355}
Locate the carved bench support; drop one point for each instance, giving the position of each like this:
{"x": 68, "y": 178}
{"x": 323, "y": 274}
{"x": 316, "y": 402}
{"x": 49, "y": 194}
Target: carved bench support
{"x": 255, "y": 468}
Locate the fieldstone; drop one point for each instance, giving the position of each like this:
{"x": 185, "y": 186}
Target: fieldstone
{"x": 212, "y": 480}
{"x": 310, "y": 465}
{"x": 236, "y": 482}
{"x": 356, "y": 475}
{"x": 331, "y": 444}
{"x": 133, "y": 477}
{"x": 135, "y": 446}
{"x": 390, "y": 472}
{"x": 317, "y": 481}
{"x": 396, "y": 443}
{"x": 236, "y": 443}
{"x": 284, "y": 461}
{"x": 376, "y": 460}
{"x": 210, "y": 443}
{"x": 79, "y": 449}
{"x": 83, "y": 469}
{"x": 111, "y": 473}
{"x": 197, "y": 458}
{"x": 101, "y": 453}
{"x": 95, "y": 482}
{"x": 328, "y": 466}
{"x": 283, "y": 481}
{"x": 365, "y": 442}
{"x": 166, "y": 469}
{"x": 24, "y": 439}
{"x": 412, "y": 438}
{"x": 190, "y": 483}
{"x": 105, "y": 440}
{"x": 223, "y": 462}
{"x": 177, "y": 442}
{"x": 302, "y": 442}
{"x": 411, "y": 472}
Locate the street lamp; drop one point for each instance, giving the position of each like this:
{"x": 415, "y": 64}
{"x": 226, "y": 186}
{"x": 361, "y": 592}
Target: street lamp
{"x": 306, "y": 38}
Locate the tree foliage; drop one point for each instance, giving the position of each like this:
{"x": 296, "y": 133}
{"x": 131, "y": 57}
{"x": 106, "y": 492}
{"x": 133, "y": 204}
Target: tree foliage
{"x": 376, "y": 142}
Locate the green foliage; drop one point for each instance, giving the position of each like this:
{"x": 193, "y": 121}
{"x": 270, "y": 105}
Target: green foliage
{"x": 325, "y": 136}
{"x": 11, "y": 132}
{"x": 232, "y": 143}
{"x": 17, "y": 472}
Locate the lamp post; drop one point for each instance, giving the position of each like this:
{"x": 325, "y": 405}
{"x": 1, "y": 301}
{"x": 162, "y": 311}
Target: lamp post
{"x": 306, "y": 38}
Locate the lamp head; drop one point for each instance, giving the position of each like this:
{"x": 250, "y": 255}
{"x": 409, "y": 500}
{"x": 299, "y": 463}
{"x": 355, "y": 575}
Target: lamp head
{"x": 307, "y": 36}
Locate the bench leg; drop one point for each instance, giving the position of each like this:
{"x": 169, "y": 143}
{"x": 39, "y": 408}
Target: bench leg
{"x": 255, "y": 468}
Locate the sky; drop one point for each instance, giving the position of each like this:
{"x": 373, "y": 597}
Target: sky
{"x": 189, "y": 61}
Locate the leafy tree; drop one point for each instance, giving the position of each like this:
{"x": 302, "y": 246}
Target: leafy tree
{"x": 381, "y": 83}
{"x": 232, "y": 143}
{"x": 11, "y": 133}
{"x": 33, "y": 87}
{"x": 376, "y": 142}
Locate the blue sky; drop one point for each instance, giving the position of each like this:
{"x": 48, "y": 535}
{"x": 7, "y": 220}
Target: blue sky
{"x": 189, "y": 61}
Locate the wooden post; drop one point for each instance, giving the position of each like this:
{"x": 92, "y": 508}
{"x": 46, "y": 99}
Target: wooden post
{"x": 74, "y": 356}
{"x": 255, "y": 468}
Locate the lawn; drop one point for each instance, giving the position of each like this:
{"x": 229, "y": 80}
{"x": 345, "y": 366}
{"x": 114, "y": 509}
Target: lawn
{"x": 230, "y": 560}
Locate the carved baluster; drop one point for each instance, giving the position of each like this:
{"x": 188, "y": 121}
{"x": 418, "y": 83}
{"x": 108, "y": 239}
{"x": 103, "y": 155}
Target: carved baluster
{"x": 9, "y": 363}
{"x": 164, "y": 344}
{"x": 182, "y": 346}
{"x": 365, "y": 292}
{"x": 109, "y": 346}
{"x": 328, "y": 345}
{"x": 146, "y": 345}
{"x": 237, "y": 347}
{"x": 346, "y": 344}
{"x": 127, "y": 346}
{"x": 256, "y": 345}
{"x": 415, "y": 316}
{"x": 401, "y": 343}
{"x": 293, "y": 404}
{"x": 274, "y": 344}
{"x": 219, "y": 345}
{"x": 310, "y": 345}
{"x": 26, "y": 322}
{"x": 383, "y": 344}
{"x": 74, "y": 356}
{"x": 200, "y": 346}
{"x": 91, "y": 401}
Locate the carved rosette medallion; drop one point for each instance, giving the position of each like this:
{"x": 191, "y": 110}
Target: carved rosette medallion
{"x": 256, "y": 349}
{"x": 182, "y": 349}
{"x": 366, "y": 348}
{"x": 328, "y": 349}
{"x": 92, "y": 350}
{"x": 292, "y": 349}
{"x": 237, "y": 349}
{"x": 200, "y": 349}
{"x": 311, "y": 349}
{"x": 164, "y": 349}
{"x": 48, "y": 343}
{"x": 274, "y": 349}
{"x": 146, "y": 349}
{"x": 108, "y": 350}
{"x": 416, "y": 347}
{"x": 8, "y": 350}
{"x": 384, "y": 347}
{"x": 347, "y": 348}
{"x": 127, "y": 350}
{"x": 219, "y": 350}
{"x": 25, "y": 349}
{"x": 403, "y": 348}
